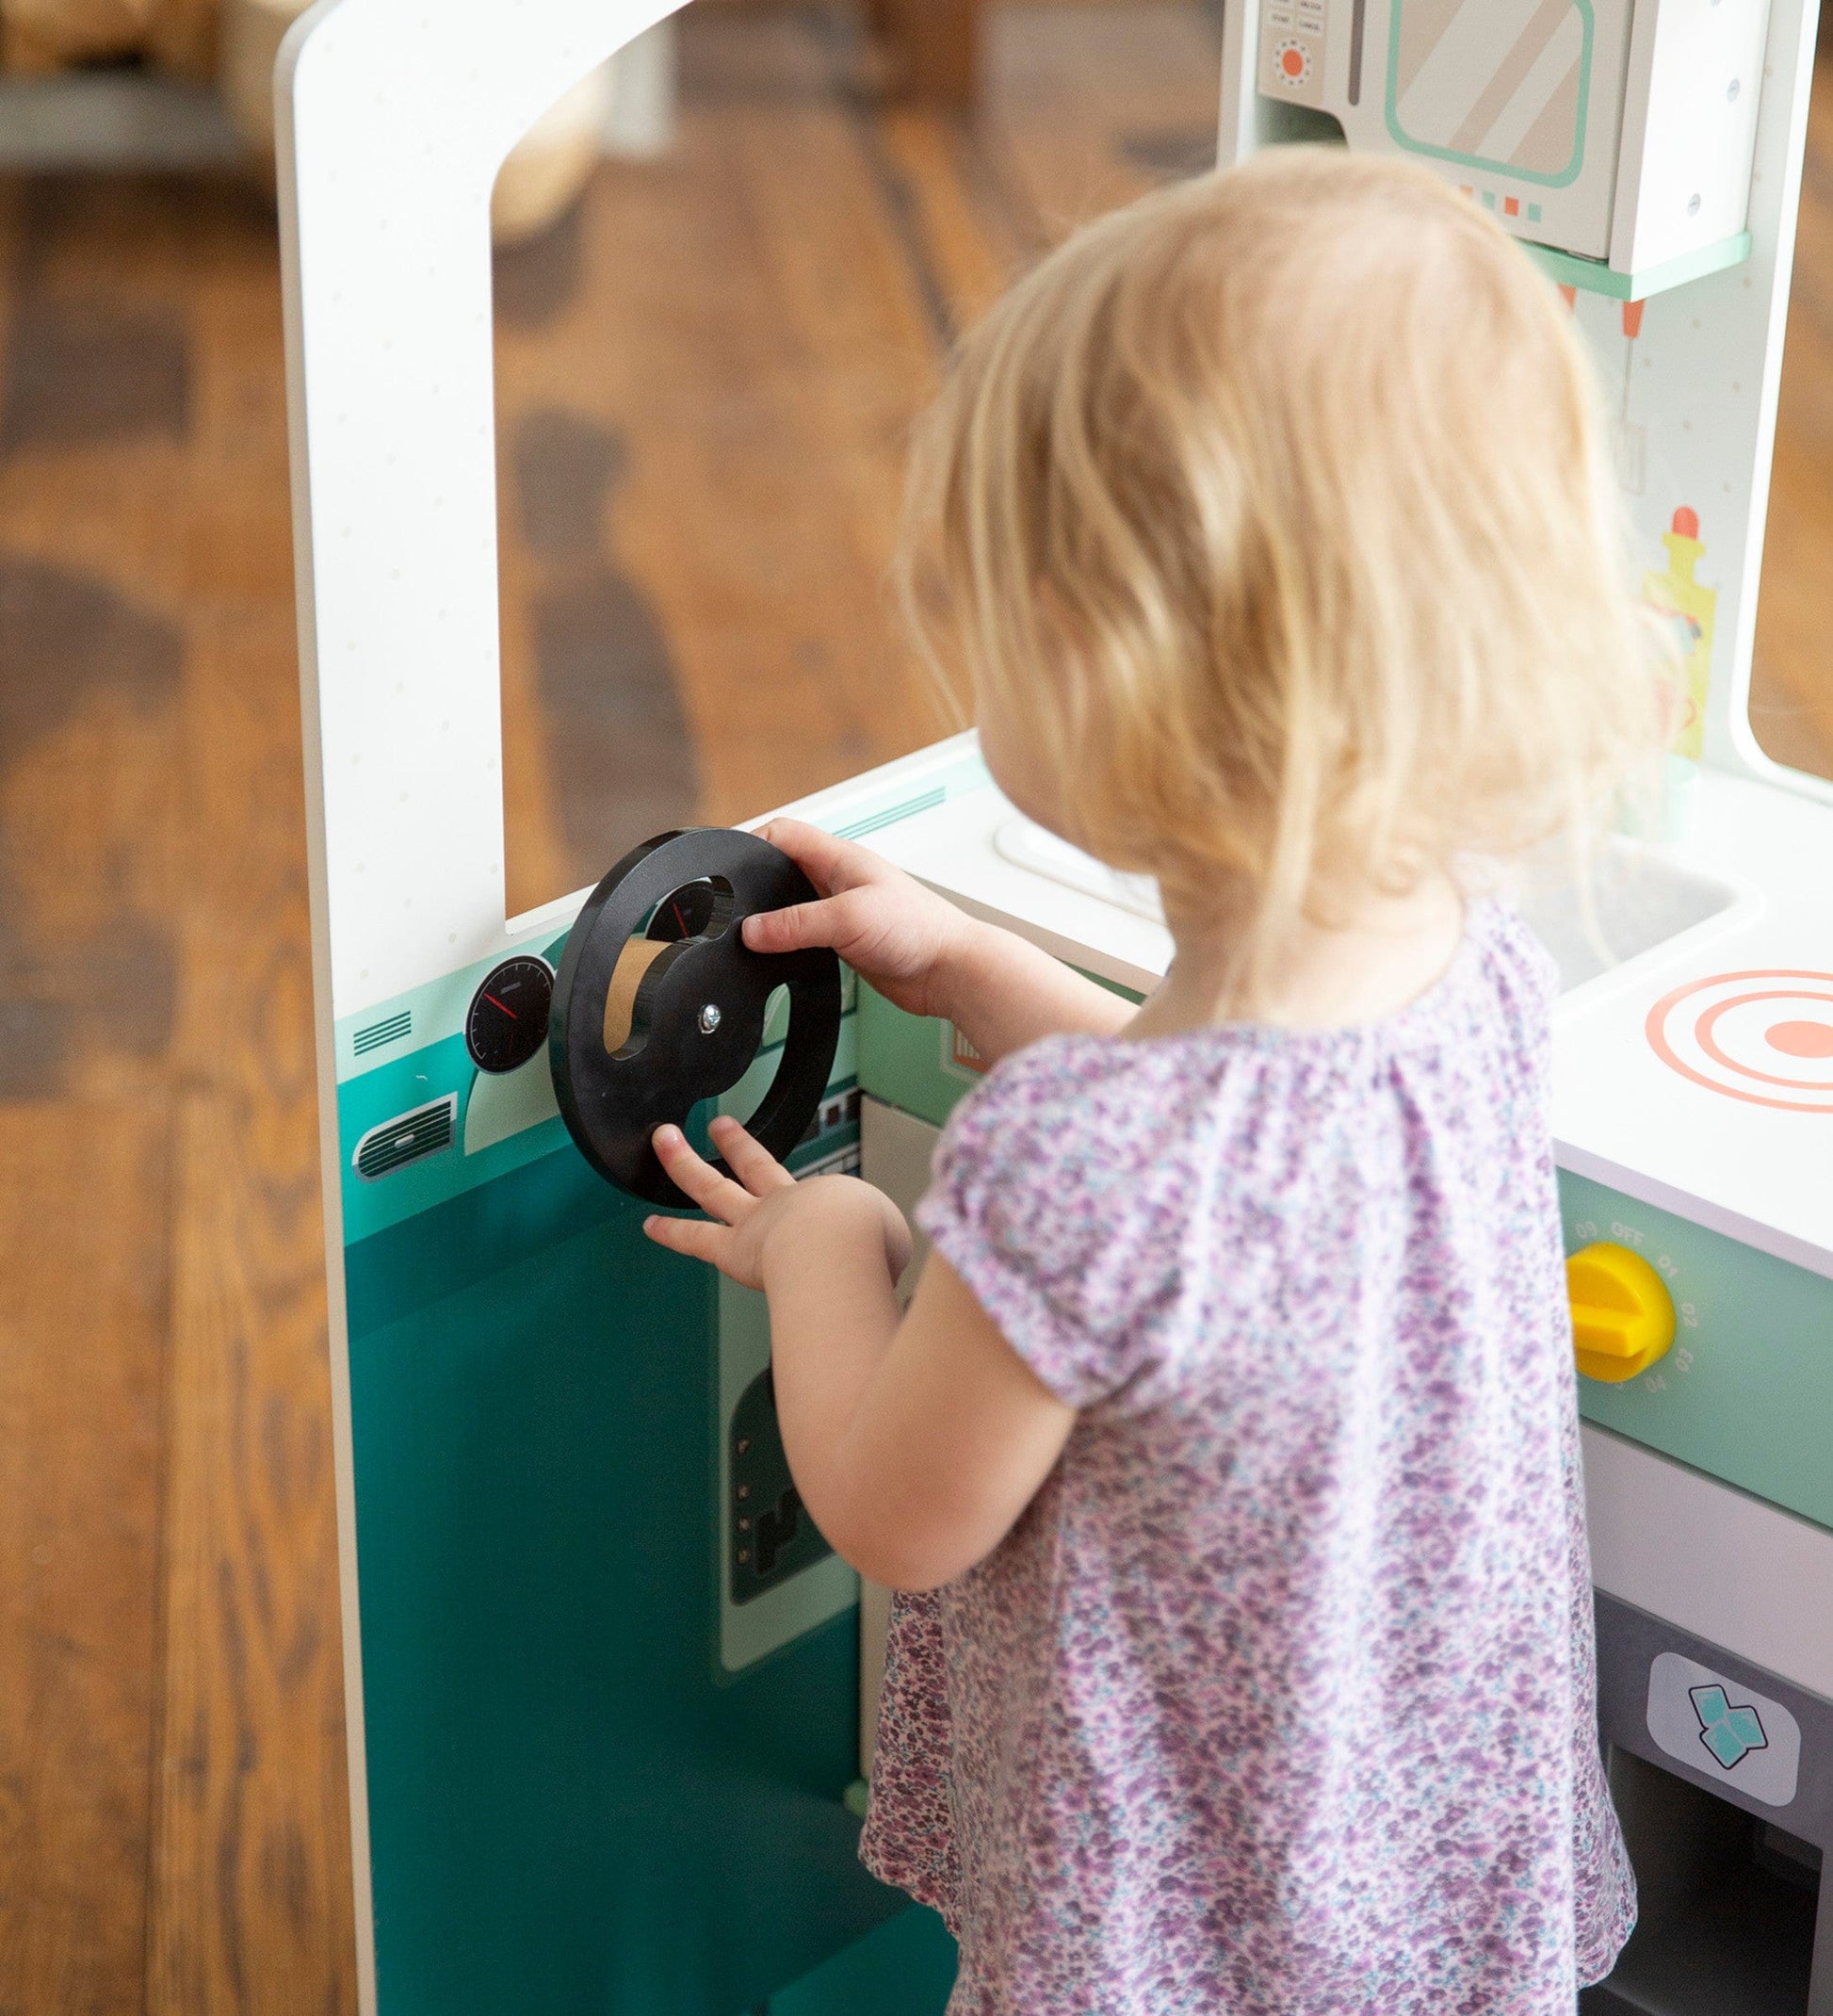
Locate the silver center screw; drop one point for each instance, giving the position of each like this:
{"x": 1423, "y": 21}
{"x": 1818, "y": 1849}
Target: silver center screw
{"x": 709, "y": 1020}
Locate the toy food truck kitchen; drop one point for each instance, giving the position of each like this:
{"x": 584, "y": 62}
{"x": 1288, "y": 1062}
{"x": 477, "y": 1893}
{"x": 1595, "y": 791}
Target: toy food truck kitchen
{"x": 606, "y": 1682}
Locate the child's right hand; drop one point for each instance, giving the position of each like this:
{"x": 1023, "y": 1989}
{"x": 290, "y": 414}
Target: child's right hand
{"x": 893, "y": 932}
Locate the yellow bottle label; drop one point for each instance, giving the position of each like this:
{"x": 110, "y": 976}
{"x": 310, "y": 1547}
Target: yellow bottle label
{"x": 1690, "y": 607}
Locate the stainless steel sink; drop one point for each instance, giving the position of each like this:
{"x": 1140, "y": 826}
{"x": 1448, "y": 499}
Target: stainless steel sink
{"x": 1638, "y": 899}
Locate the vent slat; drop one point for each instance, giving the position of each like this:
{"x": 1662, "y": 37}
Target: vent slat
{"x": 408, "y": 1137}
{"x": 390, "y": 1030}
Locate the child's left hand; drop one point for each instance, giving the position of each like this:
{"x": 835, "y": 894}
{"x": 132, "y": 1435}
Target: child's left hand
{"x": 916, "y": 1442}
{"x": 752, "y": 1213}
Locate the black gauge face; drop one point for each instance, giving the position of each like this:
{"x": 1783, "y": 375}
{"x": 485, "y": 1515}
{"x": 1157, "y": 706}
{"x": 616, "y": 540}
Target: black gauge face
{"x": 508, "y": 1022}
{"x": 683, "y": 914}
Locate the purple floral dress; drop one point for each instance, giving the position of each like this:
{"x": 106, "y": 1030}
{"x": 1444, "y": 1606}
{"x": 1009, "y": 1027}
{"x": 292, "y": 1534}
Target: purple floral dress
{"x": 1278, "y": 1698}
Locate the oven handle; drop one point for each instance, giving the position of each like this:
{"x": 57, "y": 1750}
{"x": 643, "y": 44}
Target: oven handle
{"x": 1359, "y": 22}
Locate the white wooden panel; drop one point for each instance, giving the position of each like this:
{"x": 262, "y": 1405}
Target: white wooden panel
{"x": 1692, "y": 394}
{"x": 394, "y": 118}
{"x": 1729, "y": 1568}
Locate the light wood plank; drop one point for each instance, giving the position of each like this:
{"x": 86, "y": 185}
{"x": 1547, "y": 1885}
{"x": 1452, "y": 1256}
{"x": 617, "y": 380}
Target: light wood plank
{"x": 83, "y": 1235}
{"x": 250, "y": 1898}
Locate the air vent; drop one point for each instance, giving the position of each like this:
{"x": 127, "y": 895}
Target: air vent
{"x": 378, "y": 1033}
{"x": 408, "y": 1137}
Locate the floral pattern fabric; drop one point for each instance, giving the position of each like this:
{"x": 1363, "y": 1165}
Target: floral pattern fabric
{"x": 1278, "y": 1700}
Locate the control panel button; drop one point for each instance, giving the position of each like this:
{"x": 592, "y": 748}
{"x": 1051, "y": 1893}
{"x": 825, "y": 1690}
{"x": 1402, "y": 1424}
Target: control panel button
{"x": 1622, "y": 1313}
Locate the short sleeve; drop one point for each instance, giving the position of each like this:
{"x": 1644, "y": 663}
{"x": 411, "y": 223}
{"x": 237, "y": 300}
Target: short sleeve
{"x": 1043, "y": 1204}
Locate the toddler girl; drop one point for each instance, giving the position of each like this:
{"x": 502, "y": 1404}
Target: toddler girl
{"x": 1228, "y": 1454}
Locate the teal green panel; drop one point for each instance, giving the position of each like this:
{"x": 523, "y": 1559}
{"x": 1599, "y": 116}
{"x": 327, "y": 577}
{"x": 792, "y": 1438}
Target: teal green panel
{"x": 1746, "y": 1392}
{"x": 910, "y": 1061}
{"x": 443, "y": 1071}
{"x": 905, "y": 1968}
{"x": 918, "y": 1063}
{"x": 572, "y": 1807}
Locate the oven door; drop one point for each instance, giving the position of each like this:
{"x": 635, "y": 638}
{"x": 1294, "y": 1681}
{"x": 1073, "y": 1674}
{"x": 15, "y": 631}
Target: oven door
{"x": 1520, "y": 101}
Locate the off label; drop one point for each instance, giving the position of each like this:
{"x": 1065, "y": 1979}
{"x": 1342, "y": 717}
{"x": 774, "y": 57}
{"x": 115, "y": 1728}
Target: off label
{"x": 1680, "y": 1360}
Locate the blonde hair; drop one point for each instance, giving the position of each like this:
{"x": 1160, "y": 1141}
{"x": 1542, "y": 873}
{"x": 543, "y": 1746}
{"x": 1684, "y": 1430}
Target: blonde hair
{"x": 1270, "y": 514}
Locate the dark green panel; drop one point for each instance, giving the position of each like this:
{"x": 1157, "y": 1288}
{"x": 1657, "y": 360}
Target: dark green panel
{"x": 572, "y": 1809}
{"x": 905, "y": 1968}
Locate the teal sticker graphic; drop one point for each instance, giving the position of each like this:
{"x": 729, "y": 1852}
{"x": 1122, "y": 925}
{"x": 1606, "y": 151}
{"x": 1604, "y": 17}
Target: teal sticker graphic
{"x": 1730, "y": 1733}
{"x": 1753, "y": 1740}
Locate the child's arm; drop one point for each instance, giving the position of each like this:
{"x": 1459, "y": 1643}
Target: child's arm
{"x": 924, "y": 955}
{"x": 915, "y": 1444}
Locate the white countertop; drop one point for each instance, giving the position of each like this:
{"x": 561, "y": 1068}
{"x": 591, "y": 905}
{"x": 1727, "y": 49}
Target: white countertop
{"x": 1673, "y": 1089}
{"x": 1713, "y": 1101}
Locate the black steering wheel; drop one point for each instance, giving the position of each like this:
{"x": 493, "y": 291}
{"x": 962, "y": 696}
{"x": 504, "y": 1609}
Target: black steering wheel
{"x": 660, "y": 1003}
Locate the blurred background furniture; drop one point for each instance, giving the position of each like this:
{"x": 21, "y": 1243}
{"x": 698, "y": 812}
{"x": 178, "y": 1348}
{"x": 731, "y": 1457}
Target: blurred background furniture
{"x": 175, "y": 84}
{"x": 172, "y": 85}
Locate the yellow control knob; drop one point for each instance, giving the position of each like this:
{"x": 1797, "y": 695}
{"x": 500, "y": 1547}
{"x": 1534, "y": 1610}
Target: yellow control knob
{"x": 1622, "y": 1313}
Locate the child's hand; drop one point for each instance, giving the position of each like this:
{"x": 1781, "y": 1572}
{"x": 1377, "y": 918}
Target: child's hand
{"x": 923, "y": 954}
{"x": 885, "y": 925}
{"x": 757, "y": 1210}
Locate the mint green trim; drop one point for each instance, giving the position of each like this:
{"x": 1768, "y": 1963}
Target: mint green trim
{"x": 1746, "y": 1392}
{"x": 441, "y": 1069}
{"x": 1595, "y": 277}
{"x": 877, "y": 821}
{"x": 389, "y": 1031}
{"x": 396, "y": 1028}
{"x": 901, "y": 1060}
{"x": 909, "y": 1061}
{"x": 1564, "y": 179}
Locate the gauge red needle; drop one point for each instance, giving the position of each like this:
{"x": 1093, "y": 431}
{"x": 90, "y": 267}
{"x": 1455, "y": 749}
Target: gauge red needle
{"x": 506, "y": 1010}
{"x": 680, "y": 920}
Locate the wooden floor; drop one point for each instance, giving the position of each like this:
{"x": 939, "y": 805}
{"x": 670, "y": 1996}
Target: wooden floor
{"x": 705, "y": 378}
{"x": 705, "y": 383}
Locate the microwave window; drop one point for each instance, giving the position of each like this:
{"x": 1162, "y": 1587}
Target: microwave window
{"x": 1499, "y": 83}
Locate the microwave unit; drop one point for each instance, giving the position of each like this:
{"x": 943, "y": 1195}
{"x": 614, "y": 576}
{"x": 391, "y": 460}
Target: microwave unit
{"x": 1619, "y": 131}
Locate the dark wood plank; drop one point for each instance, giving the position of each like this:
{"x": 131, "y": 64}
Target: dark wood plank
{"x": 152, "y": 886}
{"x": 758, "y": 427}
{"x": 250, "y": 1896}
{"x": 935, "y": 47}
{"x": 88, "y": 670}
